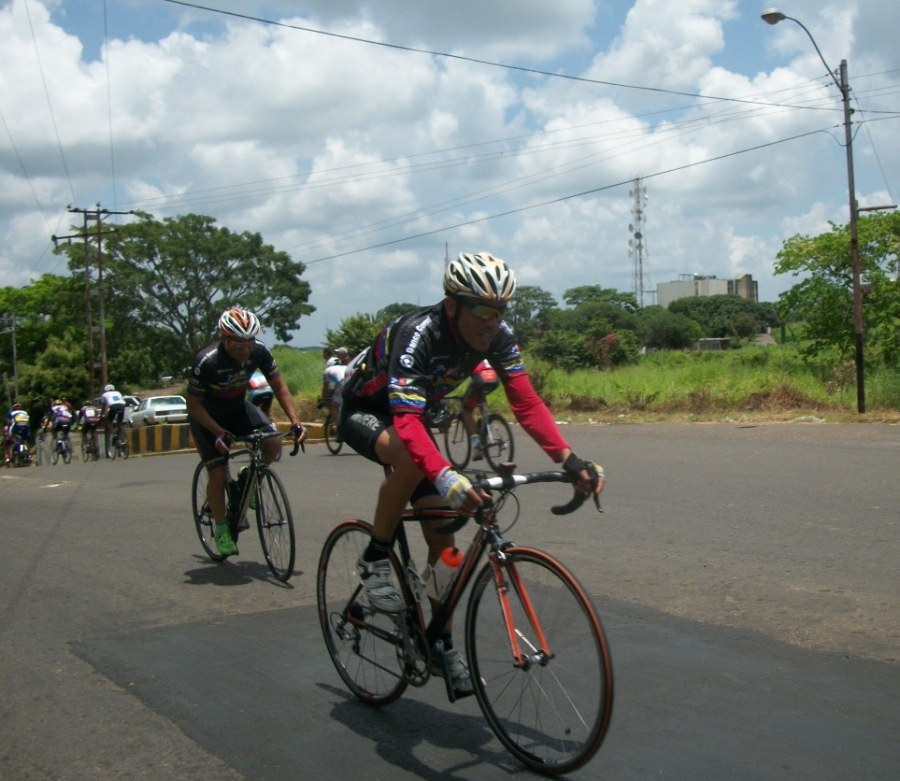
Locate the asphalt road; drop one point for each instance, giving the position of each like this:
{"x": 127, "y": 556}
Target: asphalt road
{"x": 748, "y": 578}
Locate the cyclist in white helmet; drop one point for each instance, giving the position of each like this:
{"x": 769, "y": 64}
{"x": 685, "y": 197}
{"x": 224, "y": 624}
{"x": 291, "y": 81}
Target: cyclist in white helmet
{"x": 218, "y": 408}
{"x": 413, "y": 363}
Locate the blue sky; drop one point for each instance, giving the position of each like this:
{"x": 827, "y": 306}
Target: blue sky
{"x": 365, "y": 162}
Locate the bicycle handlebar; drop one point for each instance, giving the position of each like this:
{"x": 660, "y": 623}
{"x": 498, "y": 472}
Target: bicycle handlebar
{"x": 508, "y": 480}
{"x": 258, "y": 436}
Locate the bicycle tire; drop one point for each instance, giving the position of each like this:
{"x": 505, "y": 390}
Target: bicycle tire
{"x": 330, "y": 430}
{"x": 499, "y": 447}
{"x": 457, "y": 443}
{"x": 112, "y": 451}
{"x": 204, "y": 523}
{"x": 553, "y": 714}
{"x": 275, "y": 524}
{"x": 67, "y": 451}
{"x": 85, "y": 450}
{"x": 54, "y": 456}
{"x": 368, "y": 663}
{"x": 125, "y": 448}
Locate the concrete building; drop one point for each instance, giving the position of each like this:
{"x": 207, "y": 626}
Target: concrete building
{"x": 696, "y": 285}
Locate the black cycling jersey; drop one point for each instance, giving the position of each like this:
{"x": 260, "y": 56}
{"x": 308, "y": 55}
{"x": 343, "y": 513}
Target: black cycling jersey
{"x": 419, "y": 358}
{"x": 221, "y": 381}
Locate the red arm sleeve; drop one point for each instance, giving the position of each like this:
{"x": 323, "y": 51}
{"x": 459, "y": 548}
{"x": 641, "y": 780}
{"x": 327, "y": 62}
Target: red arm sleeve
{"x": 534, "y": 416}
{"x": 425, "y": 455}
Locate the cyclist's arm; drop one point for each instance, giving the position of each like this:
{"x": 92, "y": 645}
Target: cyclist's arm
{"x": 413, "y": 433}
{"x": 535, "y": 418}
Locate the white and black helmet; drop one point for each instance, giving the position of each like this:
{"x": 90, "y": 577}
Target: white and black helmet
{"x": 480, "y": 276}
{"x": 239, "y": 324}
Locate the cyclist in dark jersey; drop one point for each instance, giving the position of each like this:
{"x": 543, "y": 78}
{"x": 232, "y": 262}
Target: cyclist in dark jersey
{"x": 413, "y": 363}
{"x": 218, "y": 409}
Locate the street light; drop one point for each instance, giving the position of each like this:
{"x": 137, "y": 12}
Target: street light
{"x": 774, "y": 16}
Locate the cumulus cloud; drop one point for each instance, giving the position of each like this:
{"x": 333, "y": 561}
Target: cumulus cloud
{"x": 370, "y": 162}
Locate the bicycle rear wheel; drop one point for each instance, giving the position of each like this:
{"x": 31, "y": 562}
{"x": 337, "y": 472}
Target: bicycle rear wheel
{"x": 275, "y": 524}
{"x": 331, "y": 441}
{"x": 362, "y": 643}
{"x": 457, "y": 442}
{"x": 55, "y": 455}
{"x": 552, "y": 707}
{"x": 203, "y": 520}
{"x": 498, "y": 444}
{"x": 124, "y": 447}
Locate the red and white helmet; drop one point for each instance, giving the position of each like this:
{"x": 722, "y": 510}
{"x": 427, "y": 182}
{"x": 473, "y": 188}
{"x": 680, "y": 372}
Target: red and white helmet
{"x": 480, "y": 276}
{"x": 238, "y": 324}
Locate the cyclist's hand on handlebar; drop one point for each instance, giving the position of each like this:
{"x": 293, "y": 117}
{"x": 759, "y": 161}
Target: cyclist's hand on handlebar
{"x": 458, "y": 491}
{"x": 590, "y": 477}
{"x": 223, "y": 442}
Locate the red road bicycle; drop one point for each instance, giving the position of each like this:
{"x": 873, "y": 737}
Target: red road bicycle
{"x": 537, "y": 653}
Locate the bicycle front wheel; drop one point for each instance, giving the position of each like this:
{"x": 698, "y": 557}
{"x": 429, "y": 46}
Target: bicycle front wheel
{"x": 457, "y": 442}
{"x": 362, "y": 643}
{"x": 331, "y": 441}
{"x": 498, "y": 443}
{"x": 275, "y": 524}
{"x": 203, "y": 519}
{"x": 550, "y": 706}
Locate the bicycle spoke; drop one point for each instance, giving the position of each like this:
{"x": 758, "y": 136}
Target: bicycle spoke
{"x": 276, "y": 525}
{"x": 551, "y": 705}
{"x": 362, "y": 642}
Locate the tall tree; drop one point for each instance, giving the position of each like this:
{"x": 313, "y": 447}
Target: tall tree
{"x": 823, "y": 299}
{"x": 529, "y": 312}
{"x": 178, "y": 275}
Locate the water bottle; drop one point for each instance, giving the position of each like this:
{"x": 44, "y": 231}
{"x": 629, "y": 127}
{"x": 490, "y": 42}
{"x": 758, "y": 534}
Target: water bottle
{"x": 439, "y": 576}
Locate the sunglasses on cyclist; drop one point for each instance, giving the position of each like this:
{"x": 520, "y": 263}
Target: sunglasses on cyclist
{"x": 485, "y": 312}
{"x": 239, "y": 344}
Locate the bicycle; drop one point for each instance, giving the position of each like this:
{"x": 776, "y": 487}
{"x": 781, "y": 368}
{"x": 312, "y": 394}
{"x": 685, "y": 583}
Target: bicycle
{"x": 19, "y": 452}
{"x": 61, "y": 447}
{"x": 496, "y": 437}
{"x": 116, "y": 441}
{"x": 538, "y": 657}
{"x": 273, "y": 510}
{"x": 330, "y": 430}
{"x": 90, "y": 446}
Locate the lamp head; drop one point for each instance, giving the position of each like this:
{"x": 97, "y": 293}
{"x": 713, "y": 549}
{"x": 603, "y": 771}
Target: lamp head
{"x": 773, "y": 16}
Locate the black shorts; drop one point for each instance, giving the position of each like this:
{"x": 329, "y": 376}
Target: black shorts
{"x": 360, "y": 427}
{"x": 247, "y": 420}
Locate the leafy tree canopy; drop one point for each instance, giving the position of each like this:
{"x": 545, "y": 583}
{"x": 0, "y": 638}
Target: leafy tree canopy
{"x": 179, "y": 274}
{"x": 724, "y": 315}
{"x": 824, "y": 297}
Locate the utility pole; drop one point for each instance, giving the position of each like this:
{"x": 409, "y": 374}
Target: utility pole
{"x": 12, "y": 330}
{"x": 94, "y": 215}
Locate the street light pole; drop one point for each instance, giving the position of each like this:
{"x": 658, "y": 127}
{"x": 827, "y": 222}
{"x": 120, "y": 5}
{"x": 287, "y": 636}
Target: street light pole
{"x": 774, "y": 16}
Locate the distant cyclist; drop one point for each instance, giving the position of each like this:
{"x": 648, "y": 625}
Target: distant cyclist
{"x": 18, "y": 424}
{"x": 484, "y": 381}
{"x": 332, "y": 379}
{"x": 61, "y": 418}
{"x": 89, "y": 417}
{"x": 113, "y": 406}
{"x": 218, "y": 408}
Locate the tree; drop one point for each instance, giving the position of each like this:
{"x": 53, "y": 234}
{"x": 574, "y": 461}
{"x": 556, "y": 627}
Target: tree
{"x": 392, "y": 311}
{"x": 178, "y": 276}
{"x": 824, "y": 298}
{"x": 355, "y": 333}
{"x": 727, "y": 315}
{"x": 661, "y": 329}
{"x": 529, "y": 312}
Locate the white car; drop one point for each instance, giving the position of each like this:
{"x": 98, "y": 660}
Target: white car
{"x": 160, "y": 409}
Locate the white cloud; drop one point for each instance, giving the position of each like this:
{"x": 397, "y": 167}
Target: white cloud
{"x": 383, "y": 157}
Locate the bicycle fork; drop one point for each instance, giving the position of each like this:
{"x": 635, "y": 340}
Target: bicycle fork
{"x": 538, "y": 654}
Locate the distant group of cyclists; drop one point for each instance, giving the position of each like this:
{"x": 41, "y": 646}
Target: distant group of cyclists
{"x": 60, "y": 418}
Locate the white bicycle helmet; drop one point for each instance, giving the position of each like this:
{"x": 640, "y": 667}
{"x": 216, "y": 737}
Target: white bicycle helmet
{"x": 108, "y": 388}
{"x": 239, "y": 324}
{"x": 480, "y": 276}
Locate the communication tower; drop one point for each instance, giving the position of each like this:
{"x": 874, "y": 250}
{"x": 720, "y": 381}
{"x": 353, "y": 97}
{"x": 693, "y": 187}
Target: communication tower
{"x": 637, "y": 244}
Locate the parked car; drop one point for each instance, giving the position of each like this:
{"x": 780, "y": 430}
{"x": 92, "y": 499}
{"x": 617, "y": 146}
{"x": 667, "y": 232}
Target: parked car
{"x": 160, "y": 409}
